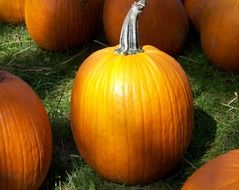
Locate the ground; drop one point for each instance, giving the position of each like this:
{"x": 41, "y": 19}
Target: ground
{"x": 51, "y": 75}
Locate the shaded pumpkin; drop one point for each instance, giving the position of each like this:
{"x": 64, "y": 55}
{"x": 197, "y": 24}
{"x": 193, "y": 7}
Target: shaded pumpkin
{"x": 131, "y": 109}
{"x": 194, "y": 10}
{"x": 12, "y": 11}
{"x": 218, "y": 24}
{"x": 220, "y": 33}
{"x": 25, "y": 136}
{"x": 60, "y": 24}
{"x": 221, "y": 173}
{"x": 164, "y": 25}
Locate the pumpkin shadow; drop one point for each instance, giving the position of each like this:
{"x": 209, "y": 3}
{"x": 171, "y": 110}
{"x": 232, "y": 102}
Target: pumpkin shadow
{"x": 64, "y": 154}
{"x": 203, "y": 136}
{"x": 43, "y": 70}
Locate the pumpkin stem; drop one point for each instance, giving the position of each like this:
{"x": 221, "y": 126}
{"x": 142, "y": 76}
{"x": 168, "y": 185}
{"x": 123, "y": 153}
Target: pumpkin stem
{"x": 129, "y": 41}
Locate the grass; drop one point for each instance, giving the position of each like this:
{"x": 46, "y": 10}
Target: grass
{"x": 51, "y": 75}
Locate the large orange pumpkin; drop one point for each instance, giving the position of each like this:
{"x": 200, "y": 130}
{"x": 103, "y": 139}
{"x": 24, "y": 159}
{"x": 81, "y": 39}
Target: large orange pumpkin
{"x": 221, "y": 173}
{"x": 61, "y": 24}
{"x": 131, "y": 109}
{"x": 164, "y": 24}
{"x": 25, "y": 136}
{"x": 12, "y": 11}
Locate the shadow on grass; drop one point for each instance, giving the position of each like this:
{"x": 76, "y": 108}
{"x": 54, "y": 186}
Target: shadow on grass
{"x": 203, "y": 136}
{"x": 64, "y": 154}
{"x": 41, "y": 69}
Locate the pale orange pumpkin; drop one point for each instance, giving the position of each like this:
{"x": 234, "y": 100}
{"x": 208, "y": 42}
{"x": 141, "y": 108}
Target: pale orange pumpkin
{"x": 12, "y": 11}
{"x": 25, "y": 136}
{"x": 221, "y": 173}
{"x": 131, "y": 109}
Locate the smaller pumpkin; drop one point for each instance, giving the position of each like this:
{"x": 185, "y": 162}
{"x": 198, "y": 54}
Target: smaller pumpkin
{"x": 12, "y": 11}
{"x": 62, "y": 24}
{"x": 219, "y": 32}
{"x": 25, "y": 136}
{"x": 221, "y": 173}
{"x": 218, "y": 24}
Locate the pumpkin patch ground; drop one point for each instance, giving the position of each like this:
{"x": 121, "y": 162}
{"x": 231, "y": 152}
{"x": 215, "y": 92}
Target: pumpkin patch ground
{"x": 51, "y": 75}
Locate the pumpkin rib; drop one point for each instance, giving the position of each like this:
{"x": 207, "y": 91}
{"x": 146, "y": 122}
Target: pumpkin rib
{"x": 149, "y": 65}
{"x": 4, "y": 134}
{"x": 142, "y": 91}
{"x": 21, "y": 145}
{"x": 38, "y": 147}
{"x": 128, "y": 132}
{"x": 159, "y": 72}
{"x": 170, "y": 98}
{"x": 175, "y": 109}
{"x": 95, "y": 131}
{"x": 157, "y": 93}
{"x": 171, "y": 93}
{"x": 176, "y": 71}
{"x": 20, "y": 141}
{"x": 186, "y": 93}
{"x": 107, "y": 88}
{"x": 155, "y": 87}
{"x": 24, "y": 161}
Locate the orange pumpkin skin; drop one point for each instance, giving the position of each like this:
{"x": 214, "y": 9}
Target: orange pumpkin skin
{"x": 132, "y": 116}
{"x": 58, "y": 25}
{"x": 25, "y": 136}
{"x": 221, "y": 173}
{"x": 194, "y": 10}
{"x": 220, "y": 33}
{"x": 164, "y": 24}
{"x": 12, "y": 11}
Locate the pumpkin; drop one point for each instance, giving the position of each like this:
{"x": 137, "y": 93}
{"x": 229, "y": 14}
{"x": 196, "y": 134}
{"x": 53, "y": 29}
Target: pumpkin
{"x": 165, "y": 24}
{"x": 12, "y": 11}
{"x": 218, "y": 174}
{"x": 131, "y": 109}
{"x": 60, "y": 24}
{"x": 217, "y": 22}
{"x": 194, "y": 10}
{"x": 220, "y": 33}
{"x": 25, "y": 136}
